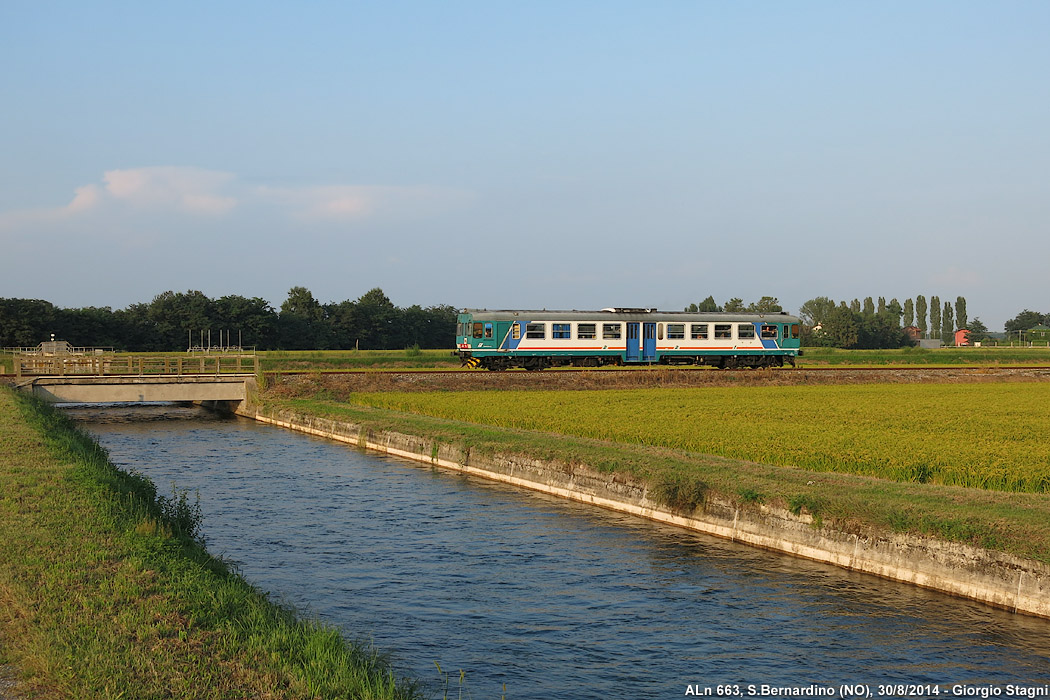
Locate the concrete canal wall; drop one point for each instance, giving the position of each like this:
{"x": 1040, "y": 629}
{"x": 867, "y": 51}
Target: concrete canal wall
{"x": 990, "y": 577}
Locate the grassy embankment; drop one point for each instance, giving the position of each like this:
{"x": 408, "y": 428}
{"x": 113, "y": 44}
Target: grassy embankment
{"x": 106, "y": 591}
{"x": 904, "y": 458}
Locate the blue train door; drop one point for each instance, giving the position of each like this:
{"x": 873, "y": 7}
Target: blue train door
{"x": 632, "y": 343}
{"x": 649, "y": 343}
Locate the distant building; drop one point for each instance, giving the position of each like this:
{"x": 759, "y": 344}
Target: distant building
{"x": 914, "y": 332}
{"x": 1039, "y": 332}
{"x": 962, "y": 337}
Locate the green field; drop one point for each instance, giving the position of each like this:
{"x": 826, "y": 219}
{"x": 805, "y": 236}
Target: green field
{"x": 989, "y": 436}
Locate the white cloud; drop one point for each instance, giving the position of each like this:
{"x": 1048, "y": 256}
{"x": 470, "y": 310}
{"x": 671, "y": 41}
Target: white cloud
{"x": 163, "y": 190}
{"x": 334, "y": 203}
{"x": 193, "y": 190}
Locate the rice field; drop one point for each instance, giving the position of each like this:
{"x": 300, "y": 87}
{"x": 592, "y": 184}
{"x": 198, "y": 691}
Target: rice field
{"x": 989, "y": 436}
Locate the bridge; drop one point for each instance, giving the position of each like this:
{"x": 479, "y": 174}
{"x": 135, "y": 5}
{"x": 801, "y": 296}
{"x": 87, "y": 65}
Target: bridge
{"x": 107, "y": 378}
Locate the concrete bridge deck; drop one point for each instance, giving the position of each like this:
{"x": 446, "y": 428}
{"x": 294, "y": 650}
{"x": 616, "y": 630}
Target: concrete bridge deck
{"x": 124, "y": 389}
{"x": 121, "y": 379}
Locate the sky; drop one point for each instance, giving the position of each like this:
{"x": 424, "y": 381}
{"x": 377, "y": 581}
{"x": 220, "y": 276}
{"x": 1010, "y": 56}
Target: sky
{"x": 548, "y": 154}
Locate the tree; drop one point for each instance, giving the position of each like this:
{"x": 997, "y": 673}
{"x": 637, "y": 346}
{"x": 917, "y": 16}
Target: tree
{"x": 960, "y": 312}
{"x": 814, "y": 311}
{"x": 894, "y": 311}
{"x": 854, "y": 306}
{"x": 249, "y": 322}
{"x": 1025, "y": 320}
{"x": 881, "y": 306}
{"x": 734, "y": 305}
{"x": 708, "y": 304}
{"x": 302, "y": 323}
{"x": 947, "y": 324}
{"x": 935, "y": 317}
{"x": 25, "y": 323}
{"x": 376, "y": 316}
{"x": 977, "y": 331}
{"x": 909, "y": 313}
{"x": 869, "y": 306}
{"x": 840, "y": 328}
{"x": 766, "y": 305}
{"x": 920, "y": 313}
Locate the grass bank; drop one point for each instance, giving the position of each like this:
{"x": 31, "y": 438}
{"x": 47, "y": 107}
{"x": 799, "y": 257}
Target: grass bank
{"x": 1016, "y": 523}
{"x": 107, "y": 592}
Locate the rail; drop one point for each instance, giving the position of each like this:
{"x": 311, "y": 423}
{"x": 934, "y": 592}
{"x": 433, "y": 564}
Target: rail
{"x": 134, "y": 365}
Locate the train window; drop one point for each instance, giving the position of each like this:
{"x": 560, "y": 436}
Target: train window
{"x": 612, "y": 331}
{"x": 794, "y": 331}
{"x": 745, "y": 330}
{"x": 477, "y": 330}
{"x": 561, "y": 330}
{"x": 769, "y": 331}
{"x": 675, "y": 331}
{"x": 723, "y": 330}
{"x": 586, "y": 331}
{"x": 488, "y": 330}
{"x": 515, "y": 331}
{"x": 537, "y": 331}
{"x": 660, "y": 331}
{"x": 698, "y": 331}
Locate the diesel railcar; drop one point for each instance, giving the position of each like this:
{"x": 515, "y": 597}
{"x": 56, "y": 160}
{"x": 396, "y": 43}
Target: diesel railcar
{"x": 535, "y": 340}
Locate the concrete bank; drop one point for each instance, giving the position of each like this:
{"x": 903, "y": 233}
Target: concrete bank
{"x": 994, "y": 578}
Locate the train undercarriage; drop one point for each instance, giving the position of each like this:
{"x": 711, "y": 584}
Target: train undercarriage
{"x": 537, "y": 363}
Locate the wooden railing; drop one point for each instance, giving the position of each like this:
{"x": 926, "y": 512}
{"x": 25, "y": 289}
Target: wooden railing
{"x": 134, "y": 365}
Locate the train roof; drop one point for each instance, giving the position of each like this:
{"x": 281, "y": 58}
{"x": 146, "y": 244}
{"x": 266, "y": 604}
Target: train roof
{"x": 623, "y": 314}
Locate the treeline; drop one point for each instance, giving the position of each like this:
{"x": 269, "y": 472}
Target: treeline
{"x": 881, "y": 324}
{"x": 173, "y": 321}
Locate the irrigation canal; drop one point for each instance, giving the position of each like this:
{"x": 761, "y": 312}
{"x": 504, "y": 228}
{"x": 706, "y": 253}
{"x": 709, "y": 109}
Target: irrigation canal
{"x": 550, "y": 598}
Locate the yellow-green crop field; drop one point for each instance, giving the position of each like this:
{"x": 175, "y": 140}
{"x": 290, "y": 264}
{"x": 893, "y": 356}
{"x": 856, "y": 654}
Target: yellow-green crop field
{"x": 991, "y": 436}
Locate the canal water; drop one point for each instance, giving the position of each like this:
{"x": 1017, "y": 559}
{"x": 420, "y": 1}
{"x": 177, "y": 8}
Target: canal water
{"x": 534, "y": 597}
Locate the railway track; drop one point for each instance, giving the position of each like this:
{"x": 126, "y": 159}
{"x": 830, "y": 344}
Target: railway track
{"x": 590, "y": 371}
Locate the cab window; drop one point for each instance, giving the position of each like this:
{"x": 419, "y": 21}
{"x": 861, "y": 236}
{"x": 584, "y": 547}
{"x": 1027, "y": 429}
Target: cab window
{"x": 477, "y": 330}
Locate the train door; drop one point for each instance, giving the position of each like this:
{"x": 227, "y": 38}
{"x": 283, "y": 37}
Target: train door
{"x": 649, "y": 343}
{"x": 632, "y": 343}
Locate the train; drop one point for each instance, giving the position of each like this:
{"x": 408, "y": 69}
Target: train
{"x": 537, "y": 340}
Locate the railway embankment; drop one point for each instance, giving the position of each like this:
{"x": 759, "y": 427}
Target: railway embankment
{"x": 960, "y": 568}
{"x": 107, "y": 591}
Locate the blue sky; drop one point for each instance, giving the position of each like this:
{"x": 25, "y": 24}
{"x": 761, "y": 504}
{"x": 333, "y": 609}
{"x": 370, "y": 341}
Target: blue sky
{"x": 527, "y": 155}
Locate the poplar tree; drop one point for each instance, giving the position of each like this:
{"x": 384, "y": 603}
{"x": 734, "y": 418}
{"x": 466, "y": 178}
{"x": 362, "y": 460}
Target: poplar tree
{"x": 854, "y": 306}
{"x": 947, "y": 323}
{"x": 881, "y": 308}
{"x": 960, "y": 312}
{"x": 869, "y": 307}
{"x": 894, "y": 310}
{"x": 920, "y": 313}
{"x": 909, "y": 313}
{"x": 935, "y": 317}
